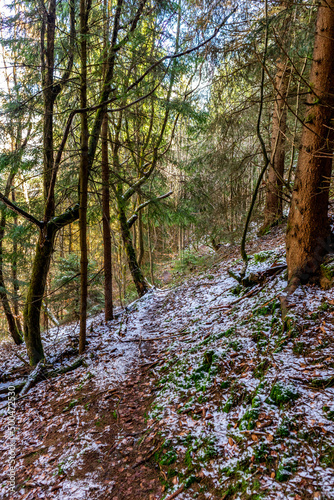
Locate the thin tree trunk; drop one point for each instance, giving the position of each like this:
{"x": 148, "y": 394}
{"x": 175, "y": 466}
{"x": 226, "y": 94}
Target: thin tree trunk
{"x": 273, "y": 208}
{"x": 83, "y": 181}
{"x": 151, "y": 253}
{"x": 308, "y": 231}
{"x": 12, "y": 325}
{"x": 16, "y": 287}
{"x": 107, "y": 254}
{"x": 140, "y": 237}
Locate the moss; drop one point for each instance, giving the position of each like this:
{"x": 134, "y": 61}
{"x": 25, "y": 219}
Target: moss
{"x": 209, "y": 452}
{"x": 327, "y": 456}
{"x": 258, "y": 334}
{"x": 285, "y": 469}
{"x": 238, "y": 394}
{"x": 290, "y": 326}
{"x": 262, "y": 453}
{"x": 204, "y": 370}
{"x": 324, "y": 306}
{"x": 225, "y": 384}
{"x": 228, "y": 405}
{"x": 323, "y": 383}
{"x": 189, "y": 481}
{"x": 283, "y": 430}
{"x": 237, "y": 290}
{"x": 263, "y": 256}
{"x": 298, "y": 347}
{"x": 329, "y": 410}
{"x": 261, "y": 369}
{"x": 281, "y": 394}
{"x": 169, "y": 457}
{"x": 235, "y": 345}
{"x": 267, "y": 309}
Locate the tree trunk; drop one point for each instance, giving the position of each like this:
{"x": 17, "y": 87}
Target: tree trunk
{"x": 41, "y": 264}
{"x": 136, "y": 272}
{"x": 140, "y": 237}
{"x": 40, "y": 269}
{"x": 274, "y": 208}
{"x": 32, "y": 309}
{"x": 14, "y": 275}
{"x": 13, "y": 326}
{"x": 151, "y": 253}
{"x": 108, "y": 299}
{"x": 83, "y": 181}
{"x": 308, "y": 231}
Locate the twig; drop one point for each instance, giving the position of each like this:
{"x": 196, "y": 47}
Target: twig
{"x": 147, "y": 457}
{"x": 176, "y": 493}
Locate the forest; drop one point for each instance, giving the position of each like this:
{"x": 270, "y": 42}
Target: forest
{"x": 167, "y": 249}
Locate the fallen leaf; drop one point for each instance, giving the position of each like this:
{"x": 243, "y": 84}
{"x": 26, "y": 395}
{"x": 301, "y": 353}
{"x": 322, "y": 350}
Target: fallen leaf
{"x": 230, "y": 441}
{"x": 272, "y": 475}
{"x": 254, "y": 437}
{"x": 270, "y": 438}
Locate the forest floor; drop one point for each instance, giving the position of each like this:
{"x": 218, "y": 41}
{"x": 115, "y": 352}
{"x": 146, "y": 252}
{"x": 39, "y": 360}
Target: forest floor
{"x": 199, "y": 391}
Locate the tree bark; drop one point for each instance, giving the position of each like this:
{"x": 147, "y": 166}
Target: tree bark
{"x": 140, "y": 238}
{"x": 136, "y": 273}
{"x": 13, "y": 326}
{"x": 83, "y": 177}
{"x": 41, "y": 264}
{"x": 50, "y": 226}
{"x": 14, "y": 275}
{"x": 308, "y": 231}
{"x": 274, "y": 207}
{"x": 108, "y": 299}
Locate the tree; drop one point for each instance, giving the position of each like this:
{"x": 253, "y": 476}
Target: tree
{"x": 273, "y": 211}
{"x": 308, "y": 233}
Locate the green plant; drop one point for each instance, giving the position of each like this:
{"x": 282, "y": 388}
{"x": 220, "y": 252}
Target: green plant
{"x": 286, "y": 468}
{"x": 283, "y": 430}
{"x": 169, "y": 457}
{"x": 281, "y": 394}
{"x": 71, "y": 404}
{"x": 329, "y": 410}
{"x": 261, "y": 368}
{"x": 263, "y": 256}
{"x": 298, "y": 347}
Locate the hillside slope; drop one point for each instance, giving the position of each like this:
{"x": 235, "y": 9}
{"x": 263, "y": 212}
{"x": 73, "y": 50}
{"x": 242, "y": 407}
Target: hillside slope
{"x": 198, "y": 391}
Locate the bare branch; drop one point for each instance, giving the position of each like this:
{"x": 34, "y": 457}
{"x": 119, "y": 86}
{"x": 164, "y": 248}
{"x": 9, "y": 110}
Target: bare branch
{"x": 134, "y": 217}
{"x": 20, "y": 211}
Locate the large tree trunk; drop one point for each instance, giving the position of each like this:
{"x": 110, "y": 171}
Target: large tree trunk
{"x": 108, "y": 302}
{"x": 274, "y": 209}
{"x": 32, "y": 309}
{"x": 308, "y": 231}
{"x": 41, "y": 264}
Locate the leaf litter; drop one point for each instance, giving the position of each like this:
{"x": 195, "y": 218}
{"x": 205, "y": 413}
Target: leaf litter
{"x": 193, "y": 392}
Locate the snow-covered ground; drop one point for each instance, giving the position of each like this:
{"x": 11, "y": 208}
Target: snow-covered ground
{"x": 243, "y": 404}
